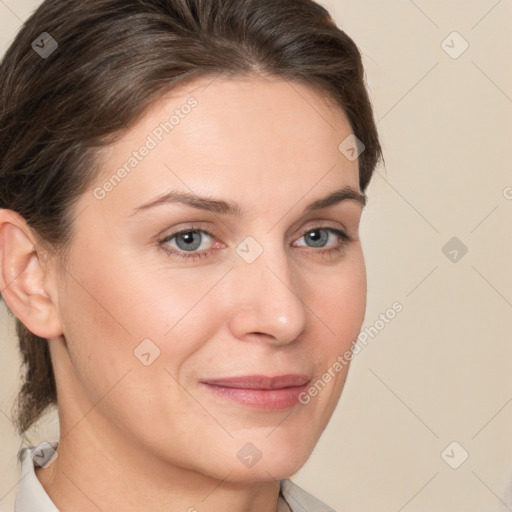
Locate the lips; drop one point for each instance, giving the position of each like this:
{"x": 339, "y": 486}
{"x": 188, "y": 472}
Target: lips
{"x": 259, "y": 391}
{"x": 260, "y": 381}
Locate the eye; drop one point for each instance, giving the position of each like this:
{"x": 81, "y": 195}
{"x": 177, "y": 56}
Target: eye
{"x": 319, "y": 237}
{"x": 186, "y": 243}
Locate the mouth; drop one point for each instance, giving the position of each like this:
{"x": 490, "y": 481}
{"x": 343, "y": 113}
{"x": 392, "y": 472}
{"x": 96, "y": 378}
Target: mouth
{"x": 259, "y": 391}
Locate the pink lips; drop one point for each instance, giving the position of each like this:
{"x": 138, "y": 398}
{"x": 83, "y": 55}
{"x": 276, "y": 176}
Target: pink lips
{"x": 261, "y": 392}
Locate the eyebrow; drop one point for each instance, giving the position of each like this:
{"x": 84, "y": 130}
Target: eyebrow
{"x": 223, "y": 207}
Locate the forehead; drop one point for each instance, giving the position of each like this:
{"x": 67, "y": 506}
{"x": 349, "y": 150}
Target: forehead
{"x": 221, "y": 134}
{"x": 247, "y": 109}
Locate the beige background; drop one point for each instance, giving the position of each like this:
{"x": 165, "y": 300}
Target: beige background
{"x": 440, "y": 371}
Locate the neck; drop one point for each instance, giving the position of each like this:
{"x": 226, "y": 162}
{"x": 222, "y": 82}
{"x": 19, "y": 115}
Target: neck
{"x": 89, "y": 475}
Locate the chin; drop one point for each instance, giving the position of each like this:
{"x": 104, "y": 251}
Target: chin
{"x": 273, "y": 462}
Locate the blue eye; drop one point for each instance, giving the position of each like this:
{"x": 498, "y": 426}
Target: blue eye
{"x": 321, "y": 235}
{"x": 188, "y": 241}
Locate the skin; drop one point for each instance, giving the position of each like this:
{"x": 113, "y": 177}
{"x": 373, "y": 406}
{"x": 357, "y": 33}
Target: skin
{"x": 136, "y": 437}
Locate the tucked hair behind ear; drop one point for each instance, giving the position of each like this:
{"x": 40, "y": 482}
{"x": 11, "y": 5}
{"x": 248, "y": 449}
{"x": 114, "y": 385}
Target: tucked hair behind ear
{"x": 113, "y": 59}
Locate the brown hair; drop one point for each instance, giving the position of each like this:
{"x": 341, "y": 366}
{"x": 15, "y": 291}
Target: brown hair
{"x": 112, "y": 60}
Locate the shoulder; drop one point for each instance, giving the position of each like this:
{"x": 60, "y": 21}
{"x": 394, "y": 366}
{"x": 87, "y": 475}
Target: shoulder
{"x": 30, "y": 494}
{"x": 300, "y": 500}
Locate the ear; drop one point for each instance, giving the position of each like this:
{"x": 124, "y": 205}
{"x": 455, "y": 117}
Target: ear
{"x": 22, "y": 277}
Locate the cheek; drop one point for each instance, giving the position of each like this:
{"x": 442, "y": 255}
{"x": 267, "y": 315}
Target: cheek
{"x": 339, "y": 299}
{"x": 120, "y": 317}
{"x": 109, "y": 314}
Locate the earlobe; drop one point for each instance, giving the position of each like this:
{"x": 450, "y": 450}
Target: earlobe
{"x": 22, "y": 276}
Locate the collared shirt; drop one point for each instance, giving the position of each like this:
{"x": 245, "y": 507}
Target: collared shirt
{"x": 31, "y": 496}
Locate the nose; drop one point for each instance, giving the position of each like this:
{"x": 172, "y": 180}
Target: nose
{"x": 267, "y": 299}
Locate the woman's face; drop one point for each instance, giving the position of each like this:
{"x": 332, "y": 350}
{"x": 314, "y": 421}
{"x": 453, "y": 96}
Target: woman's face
{"x": 266, "y": 289}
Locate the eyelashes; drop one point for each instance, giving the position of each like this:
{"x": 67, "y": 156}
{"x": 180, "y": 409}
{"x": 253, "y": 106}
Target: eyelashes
{"x": 191, "y": 237}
